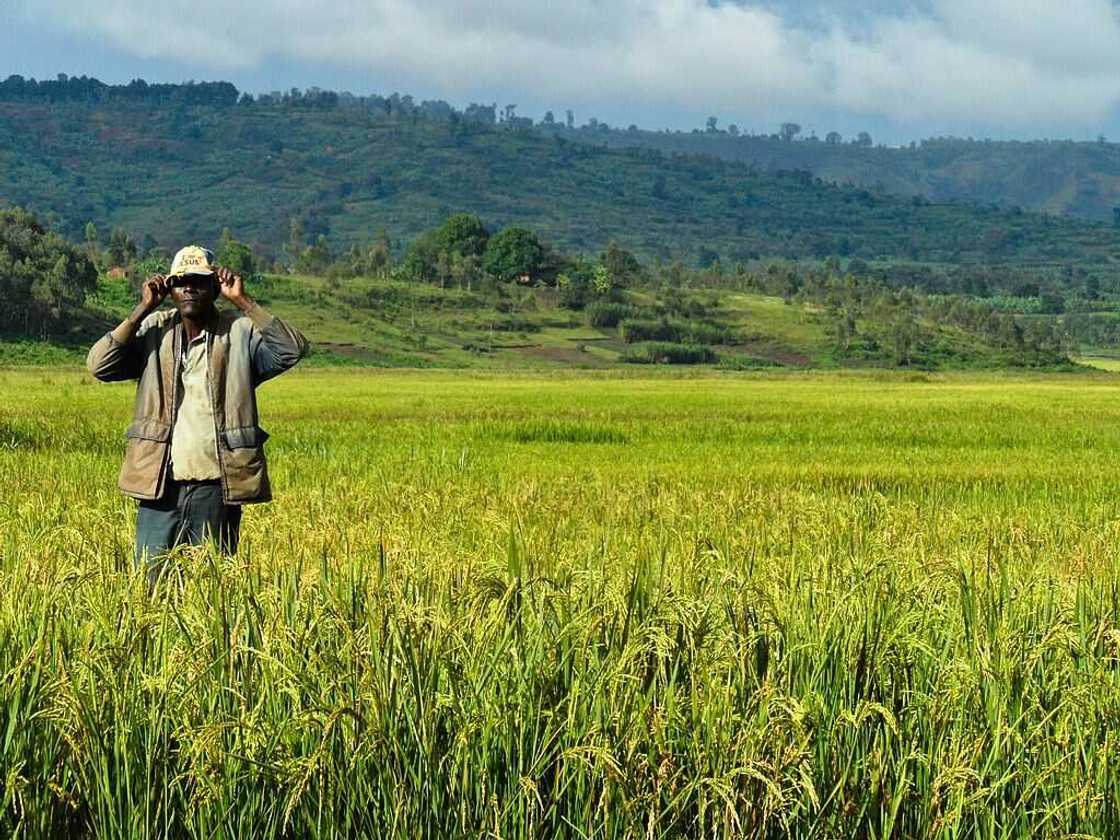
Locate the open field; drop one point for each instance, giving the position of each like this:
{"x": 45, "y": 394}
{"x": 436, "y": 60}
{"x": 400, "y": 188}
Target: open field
{"x": 1101, "y": 361}
{"x": 579, "y": 605}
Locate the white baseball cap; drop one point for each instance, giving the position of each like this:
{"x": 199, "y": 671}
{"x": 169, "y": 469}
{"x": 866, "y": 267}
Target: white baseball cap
{"x": 194, "y": 259}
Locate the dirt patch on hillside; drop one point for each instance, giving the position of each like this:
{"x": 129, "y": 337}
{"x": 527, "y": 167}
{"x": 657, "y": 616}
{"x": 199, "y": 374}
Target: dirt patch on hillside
{"x": 562, "y": 356}
{"x": 774, "y": 354}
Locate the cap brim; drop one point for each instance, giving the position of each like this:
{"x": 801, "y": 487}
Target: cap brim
{"x": 198, "y": 272}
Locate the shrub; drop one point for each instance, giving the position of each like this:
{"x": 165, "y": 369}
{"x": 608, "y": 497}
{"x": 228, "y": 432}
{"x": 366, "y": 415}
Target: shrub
{"x": 607, "y": 314}
{"x": 669, "y": 353}
{"x": 634, "y": 330}
{"x": 699, "y": 333}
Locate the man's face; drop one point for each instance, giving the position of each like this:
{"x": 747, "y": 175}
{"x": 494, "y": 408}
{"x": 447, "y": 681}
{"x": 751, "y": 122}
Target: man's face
{"x": 193, "y": 294}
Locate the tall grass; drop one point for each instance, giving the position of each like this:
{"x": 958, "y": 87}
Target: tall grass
{"x": 809, "y": 606}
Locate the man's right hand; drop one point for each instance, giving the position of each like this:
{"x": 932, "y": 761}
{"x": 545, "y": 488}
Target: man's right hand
{"x": 153, "y": 292}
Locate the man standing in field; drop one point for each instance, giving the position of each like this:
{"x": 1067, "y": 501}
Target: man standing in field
{"x": 195, "y": 450}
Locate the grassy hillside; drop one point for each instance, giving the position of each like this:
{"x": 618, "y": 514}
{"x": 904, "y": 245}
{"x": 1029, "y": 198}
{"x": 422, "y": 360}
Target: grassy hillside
{"x": 1060, "y": 177}
{"x": 171, "y": 173}
{"x": 398, "y": 324}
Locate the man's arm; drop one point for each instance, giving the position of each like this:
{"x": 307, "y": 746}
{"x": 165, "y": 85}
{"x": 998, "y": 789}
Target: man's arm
{"x": 275, "y": 346}
{"x": 116, "y": 356}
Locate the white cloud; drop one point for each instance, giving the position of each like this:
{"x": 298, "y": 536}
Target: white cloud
{"x": 982, "y": 62}
{"x": 996, "y": 62}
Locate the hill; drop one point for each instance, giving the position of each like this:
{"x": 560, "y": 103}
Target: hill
{"x": 1060, "y": 177}
{"x": 172, "y": 166}
{"x": 735, "y": 324}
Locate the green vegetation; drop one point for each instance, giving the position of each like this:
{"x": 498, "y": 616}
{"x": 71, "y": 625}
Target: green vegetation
{"x": 669, "y": 353}
{"x": 169, "y": 167}
{"x": 578, "y": 606}
{"x": 388, "y": 189}
{"x": 1053, "y": 176}
{"x": 41, "y": 275}
{"x": 828, "y": 322}
{"x": 463, "y": 295}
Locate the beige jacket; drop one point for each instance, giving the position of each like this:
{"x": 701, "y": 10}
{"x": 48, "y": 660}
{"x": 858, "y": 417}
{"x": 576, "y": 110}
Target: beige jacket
{"x": 243, "y": 353}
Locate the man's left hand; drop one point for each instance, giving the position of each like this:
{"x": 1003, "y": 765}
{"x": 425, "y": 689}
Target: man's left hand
{"x": 231, "y": 285}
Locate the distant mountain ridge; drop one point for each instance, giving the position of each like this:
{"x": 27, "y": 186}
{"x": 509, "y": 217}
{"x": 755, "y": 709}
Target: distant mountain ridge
{"x": 1061, "y": 177}
{"x": 1053, "y": 176}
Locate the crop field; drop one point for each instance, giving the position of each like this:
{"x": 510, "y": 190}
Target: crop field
{"x": 583, "y": 605}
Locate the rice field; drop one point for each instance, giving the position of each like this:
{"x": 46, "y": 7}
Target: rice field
{"x": 581, "y": 606}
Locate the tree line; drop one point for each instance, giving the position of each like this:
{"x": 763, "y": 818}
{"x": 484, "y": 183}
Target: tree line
{"x": 93, "y": 91}
{"x": 90, "y": 90}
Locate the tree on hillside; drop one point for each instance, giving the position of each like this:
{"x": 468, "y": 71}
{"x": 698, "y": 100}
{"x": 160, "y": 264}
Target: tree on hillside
{"x": 1051, "y": 303}
{"x": 789, "y": 130}
{"x": 296, "y": 240}
{"x": 452, "y": 252}
{"x": 421, "y": 260}
{"x": 513, "y": 253}
{"x": 235, "y": 255}
{"x": 370, "y": 261}
{"x": 41, "y": 275}
{"x": 122, "y": 249}
{"x": 93, "y": 241}
{"x": 904, "y": 333}
{"x": 464, "y": 234}
{"x": 621, "y": 265}
{"x": 315, "y": 259}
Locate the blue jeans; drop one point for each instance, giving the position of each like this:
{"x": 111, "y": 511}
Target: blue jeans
{"x": 189, "y": 512}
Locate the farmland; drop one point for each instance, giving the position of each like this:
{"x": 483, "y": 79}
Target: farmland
{"x": 578, "y": 604}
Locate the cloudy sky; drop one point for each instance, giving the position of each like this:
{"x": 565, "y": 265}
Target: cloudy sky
{"x": 900, "y": 69}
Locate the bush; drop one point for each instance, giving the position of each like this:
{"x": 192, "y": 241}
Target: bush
{"x": 697, "y": 333}
{"x": 574, "y": 292}
{"x": 607, "y": 314}
{"x": 669, "y": 353}
{"x": 236, "y": 256}
{"x": 634, "y": 330}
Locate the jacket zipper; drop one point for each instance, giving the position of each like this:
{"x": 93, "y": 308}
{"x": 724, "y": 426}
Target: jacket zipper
{"x": 214, "y": 418}
{"x": 176, "y": 352}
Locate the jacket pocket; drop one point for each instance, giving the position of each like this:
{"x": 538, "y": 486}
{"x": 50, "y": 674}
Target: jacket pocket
{"x": 144, "y": 462}
{"x": 155, "y": 430}
{"x": 245, "y": 437}
{"x": 244, "y": 464}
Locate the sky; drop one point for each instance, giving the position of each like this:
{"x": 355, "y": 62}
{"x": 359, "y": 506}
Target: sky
{"x": 900, "y": 69}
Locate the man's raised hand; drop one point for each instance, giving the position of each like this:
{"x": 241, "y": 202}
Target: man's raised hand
{"x": 153, "y": 292}
{"x": 231, "y": 285}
